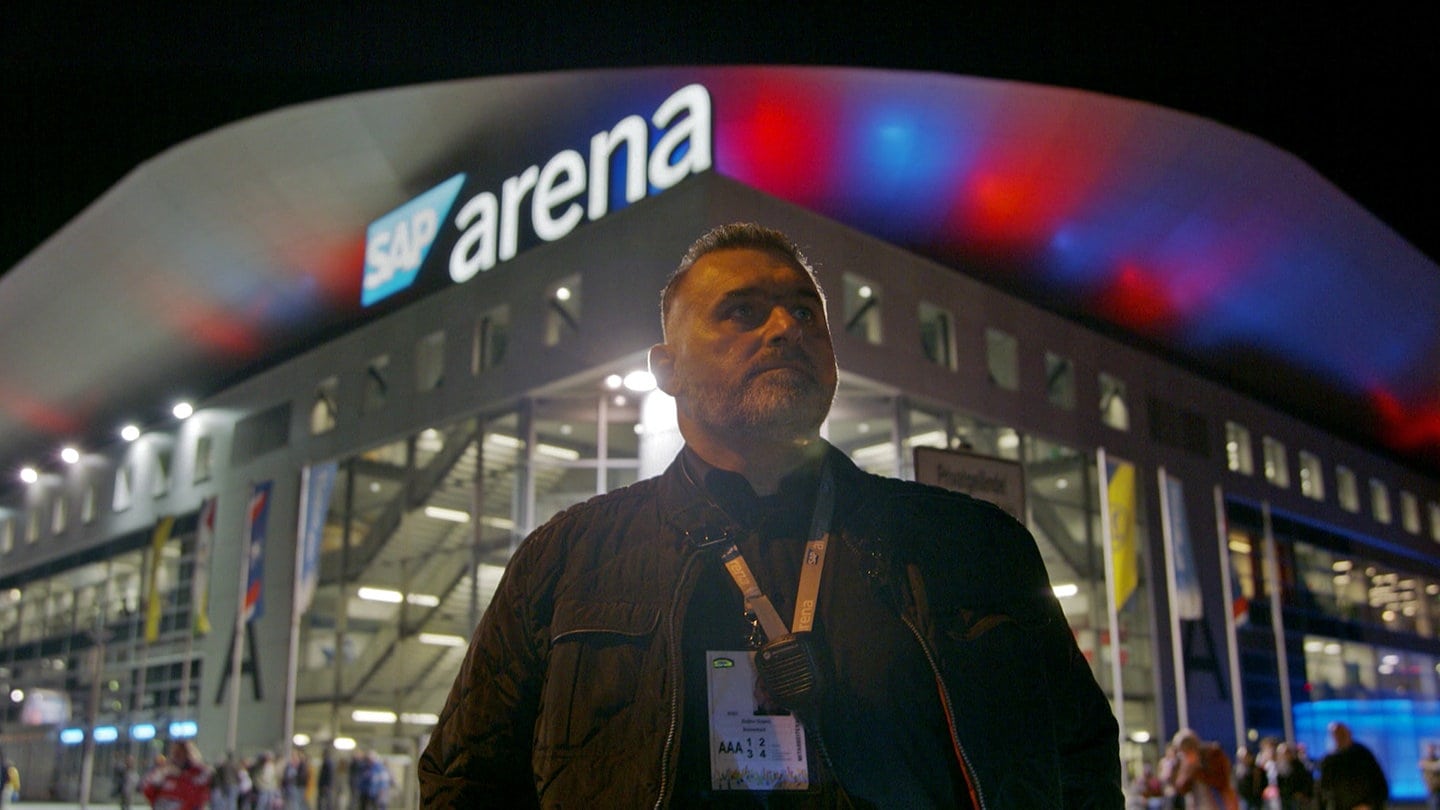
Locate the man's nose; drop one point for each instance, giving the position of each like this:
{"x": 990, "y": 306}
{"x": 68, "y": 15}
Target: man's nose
{"x": 783, "y": 325}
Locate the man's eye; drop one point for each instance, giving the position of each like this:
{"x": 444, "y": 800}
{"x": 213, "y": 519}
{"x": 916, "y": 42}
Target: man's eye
{"x": 803, "y": 313}
{"x": 742, "y": 312}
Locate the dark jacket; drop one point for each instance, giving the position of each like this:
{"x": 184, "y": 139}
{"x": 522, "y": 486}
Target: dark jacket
{"x": 571, "y": 693}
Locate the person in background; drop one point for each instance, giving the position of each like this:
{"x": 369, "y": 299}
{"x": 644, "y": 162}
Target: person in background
{"x": 127, "y": 781}
{"x": 295, "y": 780}
{"x": 1201, "y": 774}
{"x": 225, "y": 787}
{"x": 931, "y": 666}
{"x": 1294, "y": 783}
{"x": 266, "y": 778}
{"x": 1430, "y": 774}
{"x": 1250, "y": 780}
{"x": 4, "y": 781}
{"x": 180, "y": 783}
{"x": 1350, "y": 776}
{"x": 325, "y": 782}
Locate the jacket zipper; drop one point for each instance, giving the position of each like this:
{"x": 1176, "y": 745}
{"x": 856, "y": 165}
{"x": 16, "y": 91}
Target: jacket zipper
{"x": 672, "y": 638}
{"x": 972, "y": 781}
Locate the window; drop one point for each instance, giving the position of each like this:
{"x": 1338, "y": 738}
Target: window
{"x": 1060, "y": 381}
{"x": 862, "y": 309}
{"x": 59, "y": 515}
{"x": 1409, "y": 512}
{"x": 377, "y": 384}
{"x": 492, "y": 335}
{"x": 1435, "y": 521}
{"x": 937, "y": 335}
{"x": 87, "y": 502}
{"x": 1239, "y": 457}
{"x": 204, "y": 457}
{"x": 1312, "y": 476}
{"x": 324, "y": 409}
{"x": 1277, "y": 469}
{"x": 160, "y": 483}
{"x": 1380, "y": 501}
{"x": 562, "y": 309}
{"x": 1347, "y": 488}
{"x": 430, "y": 362}
{"x": 32, "y": 524}
{"x": 7, "y": 535}
{"x": 123, "y": 479}
{"x": 1002, "y": 359}
{"x": 1114, "y": 411}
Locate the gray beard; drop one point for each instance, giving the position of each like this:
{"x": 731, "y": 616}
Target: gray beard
{"x": 776, "y": 407}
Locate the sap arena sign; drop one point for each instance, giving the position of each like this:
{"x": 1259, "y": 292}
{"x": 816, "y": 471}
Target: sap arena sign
{"x": 549, "y": 200}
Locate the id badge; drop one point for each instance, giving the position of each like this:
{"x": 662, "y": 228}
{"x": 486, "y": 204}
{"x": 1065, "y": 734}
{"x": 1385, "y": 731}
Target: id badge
{"x": 754, "y": 743}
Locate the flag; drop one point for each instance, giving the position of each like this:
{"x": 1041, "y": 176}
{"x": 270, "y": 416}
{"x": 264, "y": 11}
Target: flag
{"x": 153, "y": 609}
{"x": 257, "y": 518}
{"x": 315, "y": 489}
{"x": 1120, "y": 495}
{"x": 1188, "y": 600}
{"x": 200, "y": 571}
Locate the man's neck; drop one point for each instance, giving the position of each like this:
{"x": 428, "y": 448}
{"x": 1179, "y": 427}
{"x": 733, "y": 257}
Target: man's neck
{"x": 762, "y": 464}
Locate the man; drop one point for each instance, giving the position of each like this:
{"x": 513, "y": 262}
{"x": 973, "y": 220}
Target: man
{"x": 1430, "y": 773}
{"x": 1350, "y": 776}
{"x": 1201, "y": 774}
{"x": 637, "y": 652}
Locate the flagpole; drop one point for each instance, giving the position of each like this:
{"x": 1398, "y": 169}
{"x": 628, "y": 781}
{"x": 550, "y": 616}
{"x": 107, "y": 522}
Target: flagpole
{"x": 237, "y": 642}
{"x": 1232, "y": 645}
{"x": 1107, "y": 541}
{"x": 292, "y": 662}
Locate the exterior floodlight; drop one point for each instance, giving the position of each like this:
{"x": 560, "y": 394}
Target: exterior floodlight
{"x": 29, "y": 475}
{"x": 130, "y": 433}
{"x": 183, "y": 410}
{"x": 69, "y": 455}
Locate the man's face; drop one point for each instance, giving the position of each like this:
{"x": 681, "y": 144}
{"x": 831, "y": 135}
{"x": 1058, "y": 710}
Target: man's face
{"x": 748, "y": 351}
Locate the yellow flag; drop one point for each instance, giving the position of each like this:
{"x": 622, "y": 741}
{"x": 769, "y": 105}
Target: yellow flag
{"x": 1121, "y": 494}
{"x": 152, "y": 595}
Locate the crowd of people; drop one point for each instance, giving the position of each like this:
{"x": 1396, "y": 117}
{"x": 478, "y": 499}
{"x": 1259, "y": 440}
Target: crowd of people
{"x": 183, "y": 780}
{"x": 1278, "y": 775}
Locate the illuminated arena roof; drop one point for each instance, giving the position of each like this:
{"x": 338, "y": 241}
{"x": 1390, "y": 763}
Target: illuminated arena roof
{"x": 247, "y": 244}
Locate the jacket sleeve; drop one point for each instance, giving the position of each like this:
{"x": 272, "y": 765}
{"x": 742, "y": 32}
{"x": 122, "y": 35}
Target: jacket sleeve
{"x": 1087, "y": 736}
{"x": 479, "y": 753}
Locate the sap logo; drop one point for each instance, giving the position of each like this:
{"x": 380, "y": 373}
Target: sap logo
{"x": 397, "y": 243}
{"x": 570, "y": 188}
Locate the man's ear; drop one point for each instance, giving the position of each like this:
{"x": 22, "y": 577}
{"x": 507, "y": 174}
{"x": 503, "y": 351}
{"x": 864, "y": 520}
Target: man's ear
{"x": 662, "y": 367}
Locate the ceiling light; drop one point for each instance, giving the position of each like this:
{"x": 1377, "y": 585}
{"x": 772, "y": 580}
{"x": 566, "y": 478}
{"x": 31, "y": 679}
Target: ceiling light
{"x": 614, "y": 381}
{"x": 29, "y": 475}
{"x": 373, "y": 716}
{"x": 1065, "y": 590}
{"x": 130, "y": 432}
{"x": 69, "y": 455}
{"x": 381, "y": 595}
{"x": 452, "y": 515}
{"x": 423, "y": 599}
{"x": 183, "y": 410}
{"x": 640, "y": 381}
{"x": 419, "y": 718}
{"x": 441, "y": 639}
{"x": 344, "y": 743}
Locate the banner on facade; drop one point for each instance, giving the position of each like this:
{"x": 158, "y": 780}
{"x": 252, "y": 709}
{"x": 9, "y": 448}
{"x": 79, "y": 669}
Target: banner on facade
{"x": 200, "y": 575}
{"x": 998, "y": 480}
{"x": 1188, "y": 601}
{"x": 316, "y": 488}
{"x": 153, "y": 608}
{"x": 1120, "y": 497}
{"x": 257, "y": 518}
